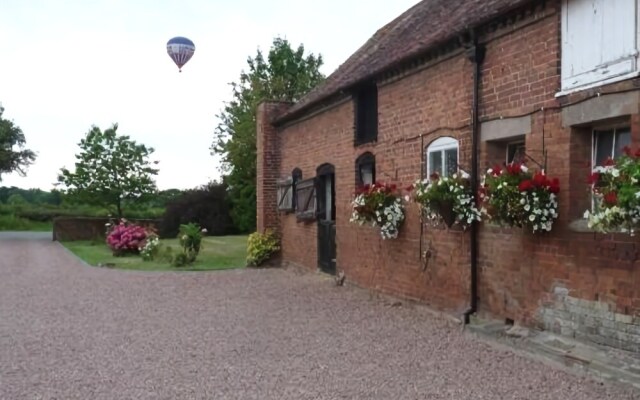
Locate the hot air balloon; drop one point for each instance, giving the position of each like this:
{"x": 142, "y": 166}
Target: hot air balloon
{"x": 180, "y": 49}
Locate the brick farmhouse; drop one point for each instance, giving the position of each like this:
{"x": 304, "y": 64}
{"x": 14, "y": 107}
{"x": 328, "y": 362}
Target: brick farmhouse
{"x": 467, "y": 84}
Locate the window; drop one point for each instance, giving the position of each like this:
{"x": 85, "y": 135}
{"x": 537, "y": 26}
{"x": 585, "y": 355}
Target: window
{"x": 442, "y": 157}
{"x": 609, "y": 143}
{"x": 598, "y": 41}
{"x": 366, "y": 114}
{"x": 365, "y": 169}
{"x": 516, "y": 152}
{"x": 305, "y": 199}
{"x": 296, "y": 176}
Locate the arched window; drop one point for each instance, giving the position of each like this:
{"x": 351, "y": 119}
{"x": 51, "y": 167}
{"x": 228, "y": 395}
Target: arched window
{"x": 365, "y": 169}
{"x": 442, "y": 157}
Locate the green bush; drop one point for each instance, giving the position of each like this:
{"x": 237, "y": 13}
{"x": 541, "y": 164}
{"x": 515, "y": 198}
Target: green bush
{"x": 261, "y": 246}
{"x": 190, "y": 239}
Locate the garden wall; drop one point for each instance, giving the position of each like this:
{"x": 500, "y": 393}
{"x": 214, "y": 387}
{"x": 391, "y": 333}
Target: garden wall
{"x": 80, "y": 228}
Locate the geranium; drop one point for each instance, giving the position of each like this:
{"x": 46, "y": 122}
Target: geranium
{"x": 616, "y": 191}
{"x": 447, "y": 198}
{"x": 515, "y": 197}
{"x": 380, "y": 205}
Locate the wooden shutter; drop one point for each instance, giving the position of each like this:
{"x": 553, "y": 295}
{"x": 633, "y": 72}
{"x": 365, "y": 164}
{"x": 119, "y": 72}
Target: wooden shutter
{"x": 306, "y": 199}
{"x": 285, "y": 194}
{"x": 598, "y": 40}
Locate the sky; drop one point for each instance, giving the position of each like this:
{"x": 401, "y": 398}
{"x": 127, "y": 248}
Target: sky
{"x": 66, "y": 65}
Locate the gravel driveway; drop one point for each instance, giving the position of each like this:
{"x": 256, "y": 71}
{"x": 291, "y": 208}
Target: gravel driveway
{"x": 68, "y": 331}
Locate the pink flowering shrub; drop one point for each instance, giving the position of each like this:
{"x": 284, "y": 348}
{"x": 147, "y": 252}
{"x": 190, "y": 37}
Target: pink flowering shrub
{"x": 126, "y": 238}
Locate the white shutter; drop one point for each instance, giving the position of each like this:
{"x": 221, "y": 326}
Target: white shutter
{"x": 599, "y": 40}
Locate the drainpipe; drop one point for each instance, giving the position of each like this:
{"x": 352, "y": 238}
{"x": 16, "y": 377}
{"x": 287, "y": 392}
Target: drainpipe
{"x": 475, "y": 54}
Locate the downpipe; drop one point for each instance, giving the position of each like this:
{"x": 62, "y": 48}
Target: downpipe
{"x": 475, "y": 54}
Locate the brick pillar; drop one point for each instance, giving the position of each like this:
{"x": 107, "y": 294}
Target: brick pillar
{"x": 268, "y": 165}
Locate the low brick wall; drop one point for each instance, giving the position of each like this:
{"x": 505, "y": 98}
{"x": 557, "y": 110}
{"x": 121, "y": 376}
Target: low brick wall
{"x": 81, "y": 228}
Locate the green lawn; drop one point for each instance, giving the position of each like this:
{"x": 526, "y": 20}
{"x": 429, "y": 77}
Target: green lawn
{"x": 217, "y": 252}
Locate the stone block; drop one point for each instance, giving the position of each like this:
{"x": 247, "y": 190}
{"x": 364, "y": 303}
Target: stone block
{"x": 624, "y": 318}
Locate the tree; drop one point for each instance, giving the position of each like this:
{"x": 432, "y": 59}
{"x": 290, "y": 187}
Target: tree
{"x": 13, "y": 156}
{"x": 286, "y": 75}
{"x": 111, "y": 171}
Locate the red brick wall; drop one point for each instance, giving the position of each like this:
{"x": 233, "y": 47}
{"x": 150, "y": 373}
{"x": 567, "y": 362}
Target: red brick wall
{"x": 530, "y": 279}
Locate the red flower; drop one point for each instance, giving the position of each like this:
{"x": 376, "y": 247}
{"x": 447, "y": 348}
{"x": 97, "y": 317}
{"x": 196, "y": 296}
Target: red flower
{"x": 434, "y": 177}
{"x": 539, "y": 179}
{"x": 610, "y": 162}
{"x": 497, "y": 170}
{"x": 525, "y": 185}
{"x": 627, "y": 151}
{"x": 393, "y": 187}
{"x": 409, "y": 188}
{"x": 593, "y": 178}
{"x": 554, "y": 187}
{"x": 637, "y": 154}
{"x": 611, "y": 198}
{"x": 514, "y": 168}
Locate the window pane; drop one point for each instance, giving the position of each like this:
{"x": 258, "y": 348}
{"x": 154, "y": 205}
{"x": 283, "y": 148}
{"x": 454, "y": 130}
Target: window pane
{"x": 435, "y": 162}
{"x": 623, "y": 138}
{"x": 604, "y": 146}
{"x": 366, "y": 174}
{"x": 515, "y": 153}
{"x": 451, "y": 161}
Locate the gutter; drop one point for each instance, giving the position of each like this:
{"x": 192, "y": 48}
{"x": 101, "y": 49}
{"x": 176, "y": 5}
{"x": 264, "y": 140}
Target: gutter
{"x": 475, "y": 54}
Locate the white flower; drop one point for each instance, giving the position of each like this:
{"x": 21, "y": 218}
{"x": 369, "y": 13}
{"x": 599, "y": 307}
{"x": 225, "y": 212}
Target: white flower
{"x": 524, "y": 168}
{"x": 527, "y": 207}
{"x": 532, "y": 217}
{"x": 204, "y": 230}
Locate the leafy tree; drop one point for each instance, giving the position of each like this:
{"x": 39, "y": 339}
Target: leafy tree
{"x": 16, "y": 200}
{"x": 112, "y": 170}
{"x": 285, "y": 75}
{"x": 13, "y": 156}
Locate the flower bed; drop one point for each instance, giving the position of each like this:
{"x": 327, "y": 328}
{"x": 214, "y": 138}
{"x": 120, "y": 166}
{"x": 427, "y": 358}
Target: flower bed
{"x": 513, "y": 196}
{"x": 616, "y": 191}
{"x": 380, "y": 205}
{"x": 447, "y": 199}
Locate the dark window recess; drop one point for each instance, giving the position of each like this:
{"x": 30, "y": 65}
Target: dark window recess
{"x": 516, "y": 152}
{"x": 285, "y": 194}
{"x": 296, "y": 176}
{"x": 609, "y": 144}
{"x": 366, "y": 110}
{"x": 305, "y": 199}
{"x": 365, "y": 169}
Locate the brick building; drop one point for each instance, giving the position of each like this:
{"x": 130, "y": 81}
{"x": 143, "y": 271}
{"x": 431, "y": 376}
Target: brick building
{"x": 468, "y": 84}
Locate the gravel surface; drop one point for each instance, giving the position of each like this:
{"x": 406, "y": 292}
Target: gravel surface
{"x": 69, "y": 331}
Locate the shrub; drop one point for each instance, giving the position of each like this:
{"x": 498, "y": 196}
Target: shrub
{"x": 151, "y": 248}
{"x": 190, "y": 239}
{"x": 206, "y": 206}
{"x": 261, "y": 246}
{"x": 126, "y": 238}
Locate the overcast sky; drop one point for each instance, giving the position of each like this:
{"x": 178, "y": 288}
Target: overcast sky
{"x": 67, "y": 65}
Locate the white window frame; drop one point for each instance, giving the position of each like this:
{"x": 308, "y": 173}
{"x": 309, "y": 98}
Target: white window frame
{"x": 625, "y": 67}
{"x": 441, "y": 145}
{"x": 509, "y": 146}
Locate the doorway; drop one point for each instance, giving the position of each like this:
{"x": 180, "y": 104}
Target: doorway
{"x": 326, "y": 190}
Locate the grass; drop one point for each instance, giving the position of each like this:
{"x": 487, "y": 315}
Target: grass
{"x": 217, "y": 252}
{"x": 13, "y": 223}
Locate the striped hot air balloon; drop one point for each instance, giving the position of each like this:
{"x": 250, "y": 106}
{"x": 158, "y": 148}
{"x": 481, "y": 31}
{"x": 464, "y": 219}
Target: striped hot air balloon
{"x": 180, "y": 49}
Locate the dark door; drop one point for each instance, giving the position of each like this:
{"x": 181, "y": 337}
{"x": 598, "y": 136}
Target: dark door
{"x": 326, "y": 219}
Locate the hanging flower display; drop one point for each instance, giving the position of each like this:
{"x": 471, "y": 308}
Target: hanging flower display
{"x": 616, "y": 194}
{"x": 380, "y": 205}
{"x": 447, "y": 199}
{"x": 513, "y": 196}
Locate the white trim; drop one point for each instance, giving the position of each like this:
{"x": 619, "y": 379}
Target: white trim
{"x": 441, "y": 145}
{"x": 630, "y": 75}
